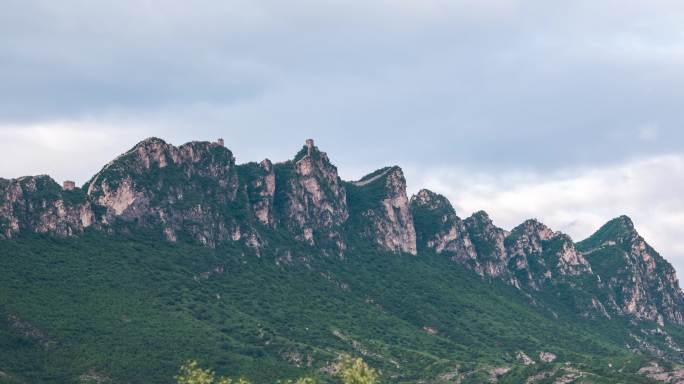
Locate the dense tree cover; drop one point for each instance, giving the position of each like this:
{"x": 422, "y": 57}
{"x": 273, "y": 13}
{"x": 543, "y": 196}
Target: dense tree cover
{"x": 131, "y": 309}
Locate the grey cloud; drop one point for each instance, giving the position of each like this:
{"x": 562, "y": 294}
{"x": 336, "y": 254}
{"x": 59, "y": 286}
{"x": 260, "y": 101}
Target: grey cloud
{"x": 498, "y": 87}
{"x": 576, "y": 201}
{"x": 492, "y": 83}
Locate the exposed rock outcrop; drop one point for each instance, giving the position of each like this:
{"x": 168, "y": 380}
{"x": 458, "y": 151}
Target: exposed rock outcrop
{"x": 197, "y": 192}
{"x": 659, "y": 373}
{"x": 261, "y": 185}
{"x": 626, "y": 275}
{"x": 537, "y": 255}
{"x": 38, "y": 204}
{"x": 440, "y": 229}
{"x": 547, "y": 357}
{"x": 640, "y": 282}
{"x": 528, "y": 256}
{"x": 314, "y": 198}
{"x": 488, "y": 241}
{"x": 384, "y": 210}
{"x": 191, "y": 189}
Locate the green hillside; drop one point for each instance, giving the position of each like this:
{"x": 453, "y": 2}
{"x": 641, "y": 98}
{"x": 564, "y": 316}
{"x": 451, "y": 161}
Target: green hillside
{"x": 131, "y": 309}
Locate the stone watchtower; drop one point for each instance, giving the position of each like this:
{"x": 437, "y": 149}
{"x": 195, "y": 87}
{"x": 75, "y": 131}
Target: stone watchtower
{"x": 219, "y": 141}
{"x": 309, "y": 145}
{"x": 69, "y": 185}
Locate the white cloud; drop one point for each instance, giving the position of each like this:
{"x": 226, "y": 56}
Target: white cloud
{"x": 498, "y": 85}
{"x": 65, "y": 150}
{"x": 577, "y": 201}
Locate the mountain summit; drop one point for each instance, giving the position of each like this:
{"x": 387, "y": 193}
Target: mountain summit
{"x": 638, "y": 280}
{"x": 258, "y": 256}
{"x": 198, "y": 192}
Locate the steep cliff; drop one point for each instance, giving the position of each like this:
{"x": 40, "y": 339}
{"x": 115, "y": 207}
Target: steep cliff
{"x": 640, "y": 282}
{"x": 382, "y": 210}
{"x": 538, "y": 255}
{"x": 38, "y": 204}
{"x": 188, "y": 190}
{"x": 440, "y": 229}
{"x": 529, "y": 256}
{"x": 196, "y": 192}
{"x": 472, "y": 290}
{"x": 260, "y": 181}
{"x": 311, "y": 199}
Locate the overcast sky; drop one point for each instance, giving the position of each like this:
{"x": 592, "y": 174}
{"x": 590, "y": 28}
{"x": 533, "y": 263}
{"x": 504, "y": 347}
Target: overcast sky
{"x": 568, "y": 111}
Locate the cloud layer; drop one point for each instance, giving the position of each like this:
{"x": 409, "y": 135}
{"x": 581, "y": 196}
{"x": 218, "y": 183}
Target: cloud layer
{"x": 568, "y": 111}
{"x": 577, "y": 201}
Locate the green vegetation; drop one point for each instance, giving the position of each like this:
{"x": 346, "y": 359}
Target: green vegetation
{"x": 132, "y": 309}
{"x": 355, "y": 371}
{"x": 348, "y": 370}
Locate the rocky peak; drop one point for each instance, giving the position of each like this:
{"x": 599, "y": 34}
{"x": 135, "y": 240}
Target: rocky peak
{"x": 432, "y": 201}
{"x": 315, "y": 199}
{"x": 527, "y": 238}
{"x": 640, "y": 281}
{"x": 540, "y": 255}
{"x": 487, "y": 237}
{"x": 439, "y": 228}
{"x": 38, "y": 204}
{"x": 383, "y": 205}
{"x": 536, "y": 229}
{"x": 188, "y": 189}
{"x": 529, "y": 256}
{"x": 619, "y": 230}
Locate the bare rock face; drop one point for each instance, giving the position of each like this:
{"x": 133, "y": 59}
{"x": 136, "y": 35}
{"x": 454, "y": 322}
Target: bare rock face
{"x": 640, "y": 282}
{"x": 659, "y": 373}
{"x": 188, "y": 189}
{"x": 488, "y": 241}
{"x": 385, "y": 210}
{"x": 38, "y": 204}
{"x": 547, "y": 357}
{"x": 315, "y": 200}
{"x": 539, "y": 255}
{"x": 440, "y": 229}
{"x": 523, "y": 358}
{"x": 529, "y": 256}
{"x": 197, "y": 192}
{"x": 261, "y": 185}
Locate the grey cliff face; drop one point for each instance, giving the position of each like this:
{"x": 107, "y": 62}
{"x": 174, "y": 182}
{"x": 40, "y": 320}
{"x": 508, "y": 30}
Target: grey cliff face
{"x": 449, "y": 234}
{"x": 489, "y": 241}
{"x": 315, "y": 200}
{"x": 38, "y": 204}
{"x": 538, "y": 255}
{"x": 388, "y": 220}
{"x": 197, "y": 192}
{"x": 261, "y": 186}
{"x": 528, "y": 256}
{"x": 640, "y": 282}
{"x": 187, "y": 189}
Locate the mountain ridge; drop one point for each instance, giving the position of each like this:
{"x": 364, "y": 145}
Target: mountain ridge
{"x": 198, "y": 189}
{"x": 301, "y": 213}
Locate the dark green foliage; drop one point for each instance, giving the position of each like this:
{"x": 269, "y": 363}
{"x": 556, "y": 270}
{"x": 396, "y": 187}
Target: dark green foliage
{"x": 132, "y": 309}
{"x": 428, "y": 221}
{"x": 479, "y": 229}
{"x": 363, "y": 198}
{"x": 616, "y": 230}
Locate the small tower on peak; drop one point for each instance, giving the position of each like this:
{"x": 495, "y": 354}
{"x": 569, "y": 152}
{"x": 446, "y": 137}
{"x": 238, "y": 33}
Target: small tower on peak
{"x": 69, "y": 185}
{"x": 219, "y": 141}
{"x": 309, "y": 145}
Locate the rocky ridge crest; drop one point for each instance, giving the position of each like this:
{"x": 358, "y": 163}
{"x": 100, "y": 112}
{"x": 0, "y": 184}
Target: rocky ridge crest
{"x": 197, "y": 192}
